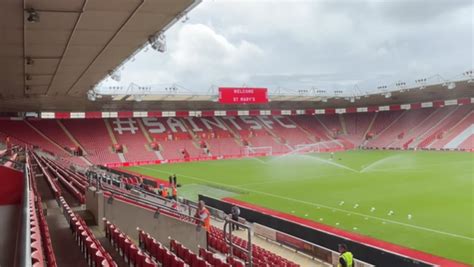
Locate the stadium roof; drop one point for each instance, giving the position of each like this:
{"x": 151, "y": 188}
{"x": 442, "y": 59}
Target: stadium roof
{"x": 175, "y": 102}
{"x": 53, "y": 52}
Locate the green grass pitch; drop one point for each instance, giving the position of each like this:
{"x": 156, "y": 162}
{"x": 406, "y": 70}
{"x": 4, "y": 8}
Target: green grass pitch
{"x": 355, "y": 191}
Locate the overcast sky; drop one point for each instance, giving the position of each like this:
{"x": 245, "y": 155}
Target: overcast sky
{"x": 296, "y": 44}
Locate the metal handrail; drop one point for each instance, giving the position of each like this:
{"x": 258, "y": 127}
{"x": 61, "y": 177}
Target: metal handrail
{"x": 156, "y": 205}
{"x": 23, "y": 248}
{"x": 228, "y": 238}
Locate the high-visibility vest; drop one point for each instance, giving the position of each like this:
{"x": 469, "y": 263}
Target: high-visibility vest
{"x": 175, "y": 191}
{"x": 207, "y": 220}
{"x": 164, "y": 192}
{"x": 348, "y": 258}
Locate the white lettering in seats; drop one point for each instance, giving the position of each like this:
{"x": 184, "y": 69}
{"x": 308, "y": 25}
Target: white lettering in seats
{"x": 278, "y": 119}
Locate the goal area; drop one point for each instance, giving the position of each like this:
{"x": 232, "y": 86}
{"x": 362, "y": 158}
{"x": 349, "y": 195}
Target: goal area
{"x": 317, "y": 147}
{"x": 258, "y": 151}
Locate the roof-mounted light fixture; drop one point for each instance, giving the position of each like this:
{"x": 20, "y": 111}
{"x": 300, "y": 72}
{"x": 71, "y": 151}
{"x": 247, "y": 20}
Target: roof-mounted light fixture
{"x": 29, "y": 61}
{"x": 451, "y": 85}
{"x": 33, "y": 16}
{"x": 184, "y": 17}
{"x": 158, "y": 42}
{"x": 115, "y": 75}
{"x": 469, "y": 74}
{"x": 91, "y": 95}
{"x": 422, "y": 83}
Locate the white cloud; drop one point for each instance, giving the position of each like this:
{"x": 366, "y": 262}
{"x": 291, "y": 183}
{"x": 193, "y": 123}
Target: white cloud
{"x": 302, "y": 44}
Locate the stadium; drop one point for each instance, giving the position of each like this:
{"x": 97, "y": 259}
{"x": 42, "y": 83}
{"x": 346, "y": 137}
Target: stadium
{"x": 97, "y": 172}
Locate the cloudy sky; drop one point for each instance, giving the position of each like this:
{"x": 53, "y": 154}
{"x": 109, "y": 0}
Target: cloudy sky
{"x": 296, "y": 44}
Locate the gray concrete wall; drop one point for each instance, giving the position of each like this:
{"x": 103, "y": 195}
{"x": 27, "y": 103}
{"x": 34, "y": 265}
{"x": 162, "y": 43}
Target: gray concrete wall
{"x": 92, "y": 202}
{"x": 9, "y": 223}
{"x": 128, "y": 217}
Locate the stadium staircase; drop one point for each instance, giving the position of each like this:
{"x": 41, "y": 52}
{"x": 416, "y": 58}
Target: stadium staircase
{"x": 383, "y": 125}
{"x": 69, "y": 135}
{"x": 418, "y": 125}
{"x": 412, "y": 125}
{"x": 462, "y": 140}
{"x": 331, "y": 123}
{"x": 309, "y": 136}
{"x": 269, "y": 138}
{"x": 25, "y": 134}
{"x": 76, "y": 144}
{"x": 64, "y": 249}
{"x": 455, "y": 126}
{"x": 433, "y": 126}
{"x": 355, "y": 126}
{"x": 148, "y": 139}
{"x": 426, "y": 128}
{"x": 235, "y": 134}
{"x": 293, "y": 136}
{"x": 93, "y": 136}
{"x": 132, "y": 139}
{"x": 370, "y": 127}
{"x": 312, "y": 126}
{"x": 51, "y": 131}
{"x": 220, "y": 140}
{"x": 468, "y": 143}
{"x": 343, "y": 124}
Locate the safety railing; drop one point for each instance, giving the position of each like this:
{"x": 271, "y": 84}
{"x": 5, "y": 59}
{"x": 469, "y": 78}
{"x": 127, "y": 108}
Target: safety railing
{"x": 228, "y": 228}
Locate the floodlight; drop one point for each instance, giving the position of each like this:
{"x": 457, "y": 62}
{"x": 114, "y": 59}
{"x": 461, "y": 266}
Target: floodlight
{"x": 29, "y": 61}
{"x": 451, "y": 85}
{"x": 115, "y": 75}
{"x": 33, "y": 16}
{"x": 158, "y": 42}
{"x": 91, "y": 95}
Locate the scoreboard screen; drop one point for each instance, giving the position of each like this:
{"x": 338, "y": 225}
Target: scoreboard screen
{"x": 243, "y": 95}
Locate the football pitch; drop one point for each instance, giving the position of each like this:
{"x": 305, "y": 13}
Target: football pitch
{"x": 420, "y": 200}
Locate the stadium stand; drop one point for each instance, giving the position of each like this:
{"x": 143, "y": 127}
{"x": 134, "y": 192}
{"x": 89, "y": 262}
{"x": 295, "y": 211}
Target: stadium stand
{"x": 128, "y": 134}
{"x": 191, "y": 138}
{"x": 24, "y": 133}
{"x": 92, "y": 134}
{"x": 453, "y": 129}
{"x": 124, "y": 245}
{"x": 261, "y": 257}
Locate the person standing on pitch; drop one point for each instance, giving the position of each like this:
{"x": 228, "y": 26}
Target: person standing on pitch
{"x": 346, "y": 259}
{"x": 235, "y": 212}
{"x": 170, "y": 180}
{"x": 174, "y": 180}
